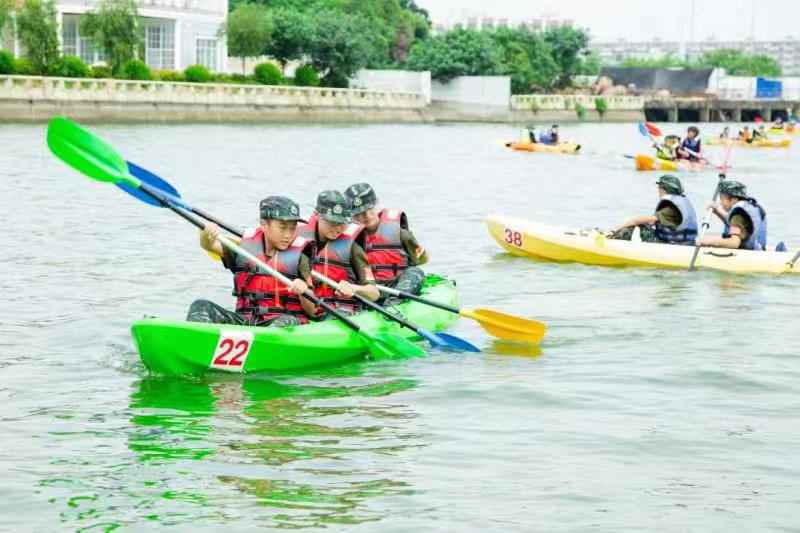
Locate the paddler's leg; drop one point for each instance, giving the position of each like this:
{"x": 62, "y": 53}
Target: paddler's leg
{"x": 409, "y": 281}
{"x": 282, "y": 321}
{"x": 211, "y": 313}
{"x": 646, "y": 234}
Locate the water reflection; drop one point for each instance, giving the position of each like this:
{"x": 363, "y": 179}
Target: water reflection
{"x": 307, "y": 450}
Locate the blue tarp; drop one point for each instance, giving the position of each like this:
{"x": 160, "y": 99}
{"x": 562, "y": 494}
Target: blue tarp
{"x": 768, "y": 88}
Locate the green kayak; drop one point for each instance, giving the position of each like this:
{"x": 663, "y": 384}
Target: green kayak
{"x": 179, "y": 348}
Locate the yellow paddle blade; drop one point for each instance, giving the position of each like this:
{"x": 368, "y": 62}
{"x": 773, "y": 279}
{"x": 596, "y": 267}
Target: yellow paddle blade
{"x": 508, "y": 327}
{"x": 216, "y": 257}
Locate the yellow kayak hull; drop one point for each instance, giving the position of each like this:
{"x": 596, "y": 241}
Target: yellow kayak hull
{"x": 551, "y": 243}
{"x": 644, "y": 163}
{"x": 563, "y": 148}
{"x": 763, "y": 143}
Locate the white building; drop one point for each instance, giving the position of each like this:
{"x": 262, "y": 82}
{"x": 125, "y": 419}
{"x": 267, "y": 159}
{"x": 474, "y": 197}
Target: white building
{"x": 490, "y": 23}
{"x": 177, "y": 33}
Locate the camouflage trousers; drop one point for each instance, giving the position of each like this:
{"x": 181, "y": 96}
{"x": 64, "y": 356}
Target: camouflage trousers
{"x": 211, "y": 313}
{"x": 409, "y": 281}
{"x": 647, "y": 234}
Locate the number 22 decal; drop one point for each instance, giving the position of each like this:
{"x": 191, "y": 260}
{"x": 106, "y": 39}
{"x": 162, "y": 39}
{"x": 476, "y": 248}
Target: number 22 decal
{"x": 513, "y": 237}
{"x": 232, "y": 350}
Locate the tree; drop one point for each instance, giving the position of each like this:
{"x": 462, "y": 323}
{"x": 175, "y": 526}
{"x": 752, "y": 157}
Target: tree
{"x": 114, "y": 27}
{"x": 459, "y": 52}
{"x": 291, "y": 35}
{"x": 737, "y": 63}
{"x": 6, "y": 8}
{"x": 37, "y": 27}
{"x": 569, "y": 46}
{"x": 248, "y": 31}
{"x": 340, "y": 46}
{"x": 591, "y": 64}
{"x": 527, "y": 58}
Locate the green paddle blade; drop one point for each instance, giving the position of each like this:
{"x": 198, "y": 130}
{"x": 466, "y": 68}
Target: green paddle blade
{"x": 388, "y": 346}
{"x": 86, "y": 153}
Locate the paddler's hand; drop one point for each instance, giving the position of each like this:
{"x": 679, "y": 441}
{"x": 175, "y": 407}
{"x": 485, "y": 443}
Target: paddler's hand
{"x": 209, "y": 235}
{"x": 299, "y": 286}
{"x": 346, "y": 290}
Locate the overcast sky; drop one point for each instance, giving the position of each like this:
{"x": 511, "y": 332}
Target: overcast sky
{"x": 641, "y": 19}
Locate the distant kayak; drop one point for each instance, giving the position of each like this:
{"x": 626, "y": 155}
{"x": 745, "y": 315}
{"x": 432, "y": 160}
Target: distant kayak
{"x": 761, "y": 143}
{"x": 782, "y": 131}
{"x": 563, "y": 148}
{"x": 647, "y": 163}
{"x": 590, "y": 247}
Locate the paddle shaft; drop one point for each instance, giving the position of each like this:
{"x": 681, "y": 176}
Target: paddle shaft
{"x": 372, "y": 305}
{"x": 706, "y": 224}
{"x": 227, "y": 243}
{"x": 409, "y": 296}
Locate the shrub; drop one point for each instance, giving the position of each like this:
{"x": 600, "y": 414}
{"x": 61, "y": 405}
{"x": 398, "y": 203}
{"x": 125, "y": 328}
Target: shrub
{"x": 135, "y": 69}
{"x": 601, "y": 105}
{"x": 268, "y": 74}
{"x": 241, "y": 78}
{"x": 580, "y": 111}
{"x": 306, "y": 76}
{"x": 101, "y": 72}
{"x": 23, "y": 66}
{"x": 6, "y": 62}
{"x": 71, "y": 67}
{"x": 197, "y": 74}
{"x": 169, "y": 75}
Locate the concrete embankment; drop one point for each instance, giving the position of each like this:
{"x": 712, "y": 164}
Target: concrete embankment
{"x": 37, "y": 99}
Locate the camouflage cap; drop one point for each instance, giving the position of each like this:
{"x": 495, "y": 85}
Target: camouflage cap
{"x": 733, "y": 188}
{"x": 334, "y": 207}
{"x": 670, "y": 184}
{"x": 279, "y": 208}
{"x": 362, "y": 197}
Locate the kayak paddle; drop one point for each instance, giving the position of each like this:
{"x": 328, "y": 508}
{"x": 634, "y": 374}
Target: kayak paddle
{"x": 93, "y": 157}
{"x": 501, "y": 325}
{"x": 707, "y": 219}
{"x": 441, "y": 341}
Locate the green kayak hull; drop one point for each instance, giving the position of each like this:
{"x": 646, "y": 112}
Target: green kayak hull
{"x": 183, "y": 348}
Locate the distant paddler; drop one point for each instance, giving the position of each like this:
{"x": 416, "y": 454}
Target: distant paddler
{"x": 692, "y": 147}
{"x": 673, "y": 222}
{"x": 669, "y": 150}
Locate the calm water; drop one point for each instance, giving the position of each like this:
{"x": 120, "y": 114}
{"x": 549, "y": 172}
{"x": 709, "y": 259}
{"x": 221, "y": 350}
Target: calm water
{"x": 659, "y": 401}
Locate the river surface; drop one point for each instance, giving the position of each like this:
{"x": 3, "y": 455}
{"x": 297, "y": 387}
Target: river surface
{"x": 660, "y": 400}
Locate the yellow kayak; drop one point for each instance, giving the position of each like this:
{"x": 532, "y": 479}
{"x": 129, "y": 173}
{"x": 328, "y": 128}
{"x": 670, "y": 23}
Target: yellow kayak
{"x": 590, "y": 247}
{"x": 784, "y": 131}
{"x": 563, "y": 148}
{"x": 761, "y": 143}
{"x": 647, "y": 162}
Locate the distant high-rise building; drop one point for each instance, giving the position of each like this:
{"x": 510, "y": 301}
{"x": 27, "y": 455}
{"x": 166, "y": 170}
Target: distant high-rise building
{"x": 786, "y": 52}
{"x": 491, "y": 23}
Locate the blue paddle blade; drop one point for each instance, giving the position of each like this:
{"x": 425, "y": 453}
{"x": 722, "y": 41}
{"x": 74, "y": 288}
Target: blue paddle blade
{"x": 443, "y": 341}
{"x": 457, "y": 343}
{"x": 643, "y": 130}
{"x": 145, "y": 176}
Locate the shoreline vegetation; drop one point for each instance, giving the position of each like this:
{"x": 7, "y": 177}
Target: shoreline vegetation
{"x": 329, "y": 41}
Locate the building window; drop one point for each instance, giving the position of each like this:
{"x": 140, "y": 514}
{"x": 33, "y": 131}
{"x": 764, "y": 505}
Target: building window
{"x": 75, "y": 45}
{"x": 160, "y": 45}
{"x": 207, "y": 53}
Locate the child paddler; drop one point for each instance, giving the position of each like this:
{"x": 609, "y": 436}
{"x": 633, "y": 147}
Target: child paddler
{"x": 261, "y": 300}
{"x": 673, "y": 222}
{"x": 392, "y": 250}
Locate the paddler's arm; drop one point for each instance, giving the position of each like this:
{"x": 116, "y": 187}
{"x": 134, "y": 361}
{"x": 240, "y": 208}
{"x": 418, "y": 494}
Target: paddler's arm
{"x": 732, "y": 242}
{"x": 416, "y": 253}
{"x": 644, "y": 220}
{"x": 366, "y": 279}
{"x": 304, "y": 269}
{"x": 209, "y": 241}
{"x": 721, "y": 213}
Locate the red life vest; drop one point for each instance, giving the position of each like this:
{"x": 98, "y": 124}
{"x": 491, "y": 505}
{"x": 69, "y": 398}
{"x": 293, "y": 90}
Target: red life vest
{"x": 260, "y": 297}
{"x": 333, "y": 261}
{"x": 385, "y": 251}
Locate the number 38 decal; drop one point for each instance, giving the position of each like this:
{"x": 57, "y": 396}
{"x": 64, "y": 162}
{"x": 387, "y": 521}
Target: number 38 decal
{"x": 232, "y": 350}
{"x": 513, "y": 237}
